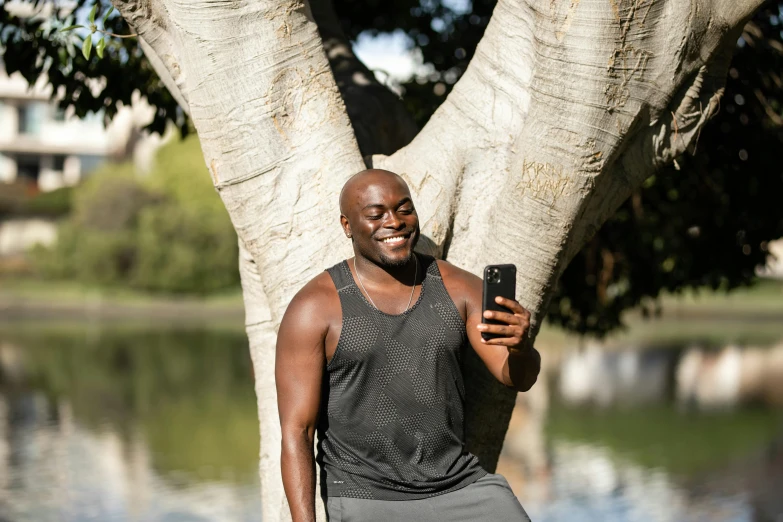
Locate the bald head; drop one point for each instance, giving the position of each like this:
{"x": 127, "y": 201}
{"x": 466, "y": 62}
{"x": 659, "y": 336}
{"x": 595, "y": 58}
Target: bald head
{"x": 359, "y": 183}
{"x": 377, "y": 213}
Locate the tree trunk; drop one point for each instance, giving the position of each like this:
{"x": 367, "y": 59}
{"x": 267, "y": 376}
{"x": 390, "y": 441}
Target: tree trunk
{"x": 567, "y": 106}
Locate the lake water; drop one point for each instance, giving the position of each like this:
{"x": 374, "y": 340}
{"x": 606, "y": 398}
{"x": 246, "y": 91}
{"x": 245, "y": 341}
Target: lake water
{"x": 113, "y": 423}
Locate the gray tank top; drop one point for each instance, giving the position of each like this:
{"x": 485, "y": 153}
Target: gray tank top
{"x": 391, "y": 417}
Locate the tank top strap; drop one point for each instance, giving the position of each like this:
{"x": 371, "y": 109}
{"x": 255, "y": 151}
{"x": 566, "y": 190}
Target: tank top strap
{"x": 341, "y": 275}
{"x": 429, "y": 265}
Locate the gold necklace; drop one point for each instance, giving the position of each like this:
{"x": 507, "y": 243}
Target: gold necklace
{"x": 413, "y": 288}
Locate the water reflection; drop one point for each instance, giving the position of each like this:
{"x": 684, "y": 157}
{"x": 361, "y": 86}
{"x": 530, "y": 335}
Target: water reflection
{"x": 714, "y": 379}
{"x": 129, "y": 424}
{"x": 699, "y": 378}
{"x": 592, "y": 483}
{"x": 669, "y": 434}
{"x": 632, "y": 377}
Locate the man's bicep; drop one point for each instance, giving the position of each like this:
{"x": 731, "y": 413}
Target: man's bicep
{"x": 474, "y": 288}
{"x": 466, "y": 290}
{"x": 299, "y": 366}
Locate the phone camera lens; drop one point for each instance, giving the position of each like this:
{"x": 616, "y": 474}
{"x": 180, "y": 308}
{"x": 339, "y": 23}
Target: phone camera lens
{"x": 493, "y": 276}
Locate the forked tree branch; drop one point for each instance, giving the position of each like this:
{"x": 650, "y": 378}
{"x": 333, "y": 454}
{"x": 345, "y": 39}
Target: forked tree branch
{"x": 379, "y": 118}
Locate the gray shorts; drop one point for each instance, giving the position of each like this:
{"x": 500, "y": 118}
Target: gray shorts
{"x": 488, "y": 499}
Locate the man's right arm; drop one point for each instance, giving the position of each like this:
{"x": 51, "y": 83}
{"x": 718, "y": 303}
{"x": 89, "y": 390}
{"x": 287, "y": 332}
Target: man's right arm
{"x": 299, "y": 365}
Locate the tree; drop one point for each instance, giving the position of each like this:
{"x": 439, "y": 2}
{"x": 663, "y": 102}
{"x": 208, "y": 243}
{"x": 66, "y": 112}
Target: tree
{"x": 704, "y": 221}
{"x": 565, "y": 109}
{"x": 34, "y": 46}
{"x": 692, "y": 225}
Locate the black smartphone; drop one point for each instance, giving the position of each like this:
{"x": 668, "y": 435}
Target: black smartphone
{"x": 499, "y": 280}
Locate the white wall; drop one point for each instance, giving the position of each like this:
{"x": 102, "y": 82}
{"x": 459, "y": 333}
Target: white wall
{"x": 774, "y": 266}
{"x": 7, "y": 169}
{"x": 21, "y": 234}
{"x": 8, "y": 120}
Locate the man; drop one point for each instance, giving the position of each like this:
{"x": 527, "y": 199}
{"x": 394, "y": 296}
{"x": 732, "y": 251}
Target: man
{"x": 368, "y": 355}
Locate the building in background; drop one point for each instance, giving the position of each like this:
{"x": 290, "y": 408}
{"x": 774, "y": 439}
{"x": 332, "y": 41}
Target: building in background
{"x": 47, "y": 148}
{"x": 43, "y": 148}
{"x": 774, "y": 266}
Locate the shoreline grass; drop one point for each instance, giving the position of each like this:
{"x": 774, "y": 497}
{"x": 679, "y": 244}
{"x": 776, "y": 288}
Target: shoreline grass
{"x": 751, "y": 315}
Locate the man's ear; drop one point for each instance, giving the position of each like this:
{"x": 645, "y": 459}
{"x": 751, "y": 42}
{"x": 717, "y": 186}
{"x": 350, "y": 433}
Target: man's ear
{"x": 346, "y": 227}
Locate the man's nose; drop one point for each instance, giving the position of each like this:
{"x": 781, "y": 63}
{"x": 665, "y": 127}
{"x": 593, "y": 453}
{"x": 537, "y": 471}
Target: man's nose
{"x": 394, "y": 221}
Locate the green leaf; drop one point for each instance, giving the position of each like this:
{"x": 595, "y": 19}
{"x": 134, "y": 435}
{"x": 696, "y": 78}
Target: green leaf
{"x": 99, "y": 47}
{"x": 106, "y": 16}
{"x": 86, "y": 47}
{"x": 70, "y": 28}
{"x": 92, "y": 13}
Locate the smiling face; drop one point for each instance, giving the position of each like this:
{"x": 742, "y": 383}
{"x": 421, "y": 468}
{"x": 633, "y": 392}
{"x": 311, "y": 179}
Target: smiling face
{"x": 378, "y": 213}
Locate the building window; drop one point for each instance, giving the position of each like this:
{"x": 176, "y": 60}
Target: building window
{"x": 59, "y": 163}
{"x": 28, "y": 167}
{"x": 94, "y": 117}
{"x": 21, "y": 118}
{"x": 30, "y": 117}
{"x": 89, "y": 163}
{"x": 58, "y": 114}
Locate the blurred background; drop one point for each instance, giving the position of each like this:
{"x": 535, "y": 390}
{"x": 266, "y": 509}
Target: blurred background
{"x": 126, "y": 388}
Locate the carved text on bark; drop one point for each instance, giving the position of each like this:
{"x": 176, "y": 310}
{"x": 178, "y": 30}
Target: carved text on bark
{"x": 545, "y": 182}
{"x": 627, "y": 62}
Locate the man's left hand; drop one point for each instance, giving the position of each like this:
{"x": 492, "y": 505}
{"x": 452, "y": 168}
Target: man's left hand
{"x": 514, "y": 331}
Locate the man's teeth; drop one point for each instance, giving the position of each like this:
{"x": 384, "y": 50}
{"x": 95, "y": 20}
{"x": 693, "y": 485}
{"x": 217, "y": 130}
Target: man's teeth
{"x": 398, "y": 239}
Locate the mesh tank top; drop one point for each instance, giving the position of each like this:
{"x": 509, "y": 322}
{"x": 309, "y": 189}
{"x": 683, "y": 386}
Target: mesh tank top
{"x": 391, "y": 420}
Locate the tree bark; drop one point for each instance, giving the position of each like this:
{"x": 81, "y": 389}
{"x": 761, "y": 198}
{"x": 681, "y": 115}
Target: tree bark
{"x": 566, "y": 108}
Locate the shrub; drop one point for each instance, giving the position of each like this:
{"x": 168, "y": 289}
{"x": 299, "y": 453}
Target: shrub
{"x": 90, "y": 256}
{"x": 179, "y": 249}
{"x": 167, "y": 232}
{"x": 51, "y": 204}
{"x": 17, "y": 199}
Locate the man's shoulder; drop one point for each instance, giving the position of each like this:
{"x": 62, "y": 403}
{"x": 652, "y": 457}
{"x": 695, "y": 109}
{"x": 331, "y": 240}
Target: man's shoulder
{"x": 316, "y": 299}
{"x": 456, "y": 275}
